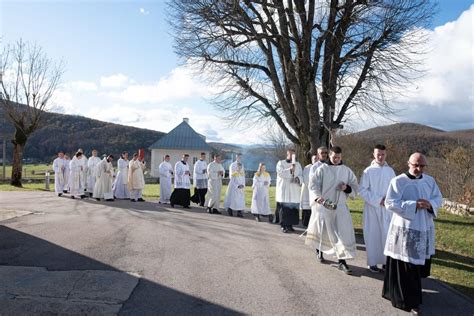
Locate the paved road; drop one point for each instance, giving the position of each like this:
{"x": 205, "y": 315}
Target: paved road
{"x": 67, "y": 256}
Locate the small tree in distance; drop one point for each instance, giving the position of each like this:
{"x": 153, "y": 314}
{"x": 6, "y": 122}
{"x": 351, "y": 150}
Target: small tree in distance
{"x": 28, "y": 79}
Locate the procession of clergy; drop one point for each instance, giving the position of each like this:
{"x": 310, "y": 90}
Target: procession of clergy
{"x": 398, "y": 214}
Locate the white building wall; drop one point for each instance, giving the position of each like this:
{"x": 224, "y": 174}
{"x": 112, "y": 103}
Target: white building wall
{"x": 175, "y": 156}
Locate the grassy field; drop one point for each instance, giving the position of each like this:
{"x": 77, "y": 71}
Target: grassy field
{"x": 454, "y": 259}
{"x": 29, "y": 171}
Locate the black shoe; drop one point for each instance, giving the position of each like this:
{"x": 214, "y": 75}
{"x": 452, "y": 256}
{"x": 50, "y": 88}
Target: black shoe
{"x": 374, "y": 269}
{"x": 209, "y": 210}
{"x": 201, "y": 205}
{"x": 285, "y": 230}
{"x": 319, "y": 256}
{"x": 60, "y": 194}
{"x": 83, "y": 196}
{"x": 291, "y": 229}
{"x": 64, "y": 191}
{"x": 415, "y": 311}
{"x": 270, "y": 218}
{"x": 97, "y": 199}
{"x": 109, "y": 200}
{"x": 172, "y": 205}
{"x": 215, "y": 211}
{"x": 344, "y": 268}
{"x": 239, "y": 214}
{"x": 257, "y": 218}
{"x": 141, "y": 200}
{"x": 72, "y": 197}
{"x": 229, "y": 211}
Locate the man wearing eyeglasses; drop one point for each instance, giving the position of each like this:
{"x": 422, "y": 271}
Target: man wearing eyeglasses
{"x": 414, "y": 198}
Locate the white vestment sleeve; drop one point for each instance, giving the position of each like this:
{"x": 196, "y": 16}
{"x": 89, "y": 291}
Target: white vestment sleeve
{"x": 367, "y": 193}
{"x": 394, "y": 202}
{"x": 436, "y": 199}
{"x": 282, "y": 172}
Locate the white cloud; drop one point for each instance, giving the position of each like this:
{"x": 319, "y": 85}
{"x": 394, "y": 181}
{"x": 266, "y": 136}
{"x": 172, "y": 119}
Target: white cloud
{"x": 179, "y": 84}
{"x": 114, "y": 81}
{"x": 444, "y": 97}
{"x": 144, "y": 12}
{"x": 81, "y": 86}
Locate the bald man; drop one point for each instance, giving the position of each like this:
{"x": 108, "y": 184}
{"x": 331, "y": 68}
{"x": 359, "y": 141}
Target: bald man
{"x": 414, "y": 198}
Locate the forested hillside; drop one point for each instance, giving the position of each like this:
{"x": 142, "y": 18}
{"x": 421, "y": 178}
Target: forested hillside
{"x": 70, "y": 132}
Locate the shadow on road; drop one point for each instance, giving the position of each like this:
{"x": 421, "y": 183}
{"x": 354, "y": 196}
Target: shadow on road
{"x": 20, "y": 249}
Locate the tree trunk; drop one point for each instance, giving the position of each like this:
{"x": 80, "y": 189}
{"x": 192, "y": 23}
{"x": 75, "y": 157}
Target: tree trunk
{"x": 19, "y": 142}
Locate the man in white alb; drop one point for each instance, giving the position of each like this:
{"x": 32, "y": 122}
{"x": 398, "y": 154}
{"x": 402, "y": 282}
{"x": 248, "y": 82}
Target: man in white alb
{"x": 234, "y": 199}
{"x": 59, "y": 167}
{"x": 92, "y": 174}
{"x": 373, "y": 188}
{"x": 166, "y": 173}
{"x": 136, "y": 179}
{"x": 103, "y": 185}
{"x": 216, "y": 173}
{"x": 330, "y": 228}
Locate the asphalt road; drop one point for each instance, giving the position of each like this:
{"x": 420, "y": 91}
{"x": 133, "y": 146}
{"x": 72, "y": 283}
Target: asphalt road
{"x": 67, "y": 256}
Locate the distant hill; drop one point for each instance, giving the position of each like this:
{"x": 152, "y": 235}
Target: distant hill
{"x": 415, "y": 137}
{"x": 70, "y": 132}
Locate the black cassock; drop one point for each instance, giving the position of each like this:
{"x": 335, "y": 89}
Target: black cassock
{"x": 402, "y": 283}
{"x": 180, "y": 197}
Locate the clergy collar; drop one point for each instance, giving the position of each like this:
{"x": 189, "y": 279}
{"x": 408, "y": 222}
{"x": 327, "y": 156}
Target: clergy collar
{"x": 331, "y": 164}
{"x": 184, "y": 162}
{"x": 374, "y": 163}
{"x": 288, "y": 160}
{"x": 410, "y": 176}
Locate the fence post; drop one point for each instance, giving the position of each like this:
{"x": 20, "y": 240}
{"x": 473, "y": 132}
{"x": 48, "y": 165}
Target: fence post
{"x": 46, "y": 182}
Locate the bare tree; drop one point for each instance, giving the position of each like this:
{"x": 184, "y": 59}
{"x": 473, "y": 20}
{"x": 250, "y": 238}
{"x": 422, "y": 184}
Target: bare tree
{"x": 306, "y": 65}
{"x": 279, "y": 143}
{"x": 28, "y": 80}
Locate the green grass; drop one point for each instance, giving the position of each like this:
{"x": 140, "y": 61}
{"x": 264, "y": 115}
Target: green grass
{"x": 29, "y": 170}
{"x": 453, "y": 262}
{"x": 454, "y": 259}
{"x": 26, "y": 187}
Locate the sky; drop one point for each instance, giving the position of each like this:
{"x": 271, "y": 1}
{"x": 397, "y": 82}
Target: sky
{"x": 120, "y": 67}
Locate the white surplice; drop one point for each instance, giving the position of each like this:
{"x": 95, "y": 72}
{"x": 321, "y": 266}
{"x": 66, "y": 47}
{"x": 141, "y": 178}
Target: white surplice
{"x": 181, "y": 176}
{"x": 235, "y": 194}
{"x": 120, "y": 185}
{"x": 83, "y": 163}
{"x": 215, "y": 172}
{"x": 376, "y": 219}
{"x": 92, "y": 173}
{"x": 76, "y": 177}
{"x": 59, "y": 167}
{"x": 331, "y": 231}
{"x": 103, "y": 185}
{"x": 411, "y": 234}
{"x": 200, "y": 174}
{"x": 287, "y": 190}
{"x": 260, "y": 198}
{"x": 67, "y": 173}
{"x": 166, "y": 172}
